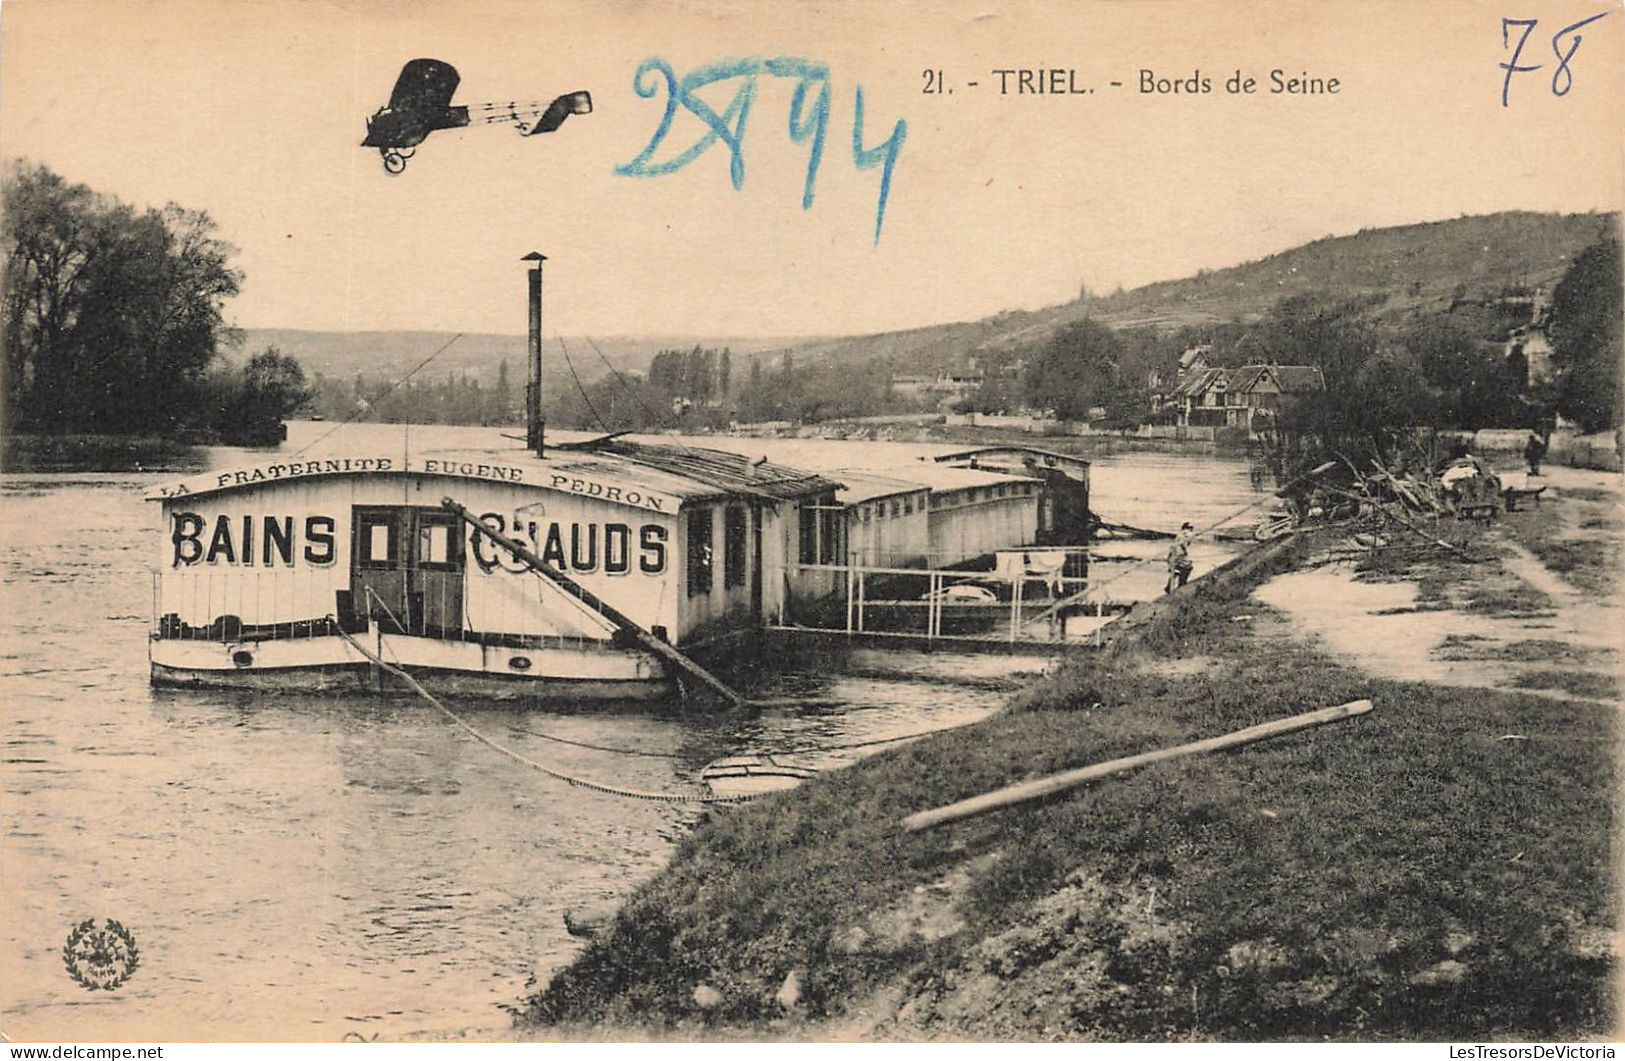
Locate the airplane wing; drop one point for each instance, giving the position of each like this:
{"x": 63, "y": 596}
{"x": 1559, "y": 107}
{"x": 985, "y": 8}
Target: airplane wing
{"x": 424, "y": 84}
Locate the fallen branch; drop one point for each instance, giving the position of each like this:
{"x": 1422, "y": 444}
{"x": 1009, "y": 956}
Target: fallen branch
{"x": 1383, "y": 510}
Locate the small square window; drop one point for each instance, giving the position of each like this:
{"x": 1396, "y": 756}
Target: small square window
{"x": 375, "y": 539}
{"x": 434, "y": 544}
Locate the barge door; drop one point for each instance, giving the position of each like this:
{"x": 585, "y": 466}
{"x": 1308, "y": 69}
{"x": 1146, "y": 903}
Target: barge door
{"x": 406, "y": 568}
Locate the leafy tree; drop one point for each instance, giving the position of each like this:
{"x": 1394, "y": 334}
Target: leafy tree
{"x": 1000, "y": 392}
{"x": 1075, "y": 370}
{"x": 50, "y": 243}
{"x": 1471, "y": 383}
{"x": 250, "y": 405}
{"x": 1373, "y": 391}
{"x": 274, "y": 383}
{"x": 502, "y": 399}
{"x": 1585, "y": 336}
{"x": 112, "y": 315}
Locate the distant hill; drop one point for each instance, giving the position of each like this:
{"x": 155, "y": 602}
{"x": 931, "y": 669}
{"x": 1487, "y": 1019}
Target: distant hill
{"x": 1413, "y": 266}
{"x": 1416, "y": 266}
{"x": 380, "y": 354}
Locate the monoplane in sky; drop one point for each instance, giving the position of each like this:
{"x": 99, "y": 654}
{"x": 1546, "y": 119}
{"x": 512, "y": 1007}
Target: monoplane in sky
{"x": 421, "y": 103}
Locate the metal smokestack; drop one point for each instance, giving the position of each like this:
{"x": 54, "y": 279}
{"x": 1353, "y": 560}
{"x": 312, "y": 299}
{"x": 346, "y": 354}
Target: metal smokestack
{"x": 533, "y": 385}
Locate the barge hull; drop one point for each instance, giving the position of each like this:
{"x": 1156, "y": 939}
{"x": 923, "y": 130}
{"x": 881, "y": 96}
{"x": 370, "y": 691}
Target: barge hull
{"x": 329, "y": 664}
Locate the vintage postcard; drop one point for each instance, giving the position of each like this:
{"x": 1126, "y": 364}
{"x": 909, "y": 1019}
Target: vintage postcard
{"x": 992, "y": 520}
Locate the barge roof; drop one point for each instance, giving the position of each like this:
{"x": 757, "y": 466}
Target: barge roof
{"x": 907, "y": 461}
{"x": 859, "y": 487}
{"x": 729, "y": 472}
{"x": 682, "y": 473}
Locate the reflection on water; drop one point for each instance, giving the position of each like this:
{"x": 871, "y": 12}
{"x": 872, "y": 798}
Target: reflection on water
{"x": 301, "y": 866}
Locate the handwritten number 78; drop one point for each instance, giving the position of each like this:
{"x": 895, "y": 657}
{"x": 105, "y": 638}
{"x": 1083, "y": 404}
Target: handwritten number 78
{"x": 1565, "y": 42}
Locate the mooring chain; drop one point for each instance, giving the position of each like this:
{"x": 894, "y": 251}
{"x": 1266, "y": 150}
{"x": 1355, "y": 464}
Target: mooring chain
{"x": 577, "y": 782}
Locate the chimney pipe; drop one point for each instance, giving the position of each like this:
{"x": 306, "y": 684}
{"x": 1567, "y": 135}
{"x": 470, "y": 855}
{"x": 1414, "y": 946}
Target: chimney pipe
{"x": 533, "y": 385}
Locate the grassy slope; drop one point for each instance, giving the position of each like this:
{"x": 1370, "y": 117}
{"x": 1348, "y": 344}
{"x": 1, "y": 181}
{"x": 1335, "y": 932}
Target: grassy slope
{"x": 1405, "y": 874}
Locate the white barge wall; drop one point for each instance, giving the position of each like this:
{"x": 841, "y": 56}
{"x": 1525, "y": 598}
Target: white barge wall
{"x": 220, "y": 558}
{"x": 892, "y": 531}
{"x": 981, "y": 520}
{"x": 712, "y": 602}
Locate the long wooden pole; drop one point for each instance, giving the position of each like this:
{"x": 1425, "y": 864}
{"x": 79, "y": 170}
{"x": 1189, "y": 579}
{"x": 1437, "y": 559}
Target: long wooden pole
{"x": 1048, "y": 786}
{"x": 609, "y": 611}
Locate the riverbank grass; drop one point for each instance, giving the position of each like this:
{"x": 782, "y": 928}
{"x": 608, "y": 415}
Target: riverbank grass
{"x": 81, "y": 452}
{"x": 1440, "y": 868}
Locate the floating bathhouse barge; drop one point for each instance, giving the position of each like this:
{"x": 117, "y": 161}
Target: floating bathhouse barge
{"x": 266, "y": 569}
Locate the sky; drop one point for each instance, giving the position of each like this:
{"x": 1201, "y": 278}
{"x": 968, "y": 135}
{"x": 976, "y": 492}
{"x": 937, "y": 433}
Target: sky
{"x": 253, "y": 111}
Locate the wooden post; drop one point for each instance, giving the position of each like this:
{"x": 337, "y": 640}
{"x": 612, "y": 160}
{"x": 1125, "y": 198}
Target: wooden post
{"x": 851, "y": 595}
{"x": 863, "y": 598}
{"x": 533, "y": 381}
{"x": 1049, "y": 786}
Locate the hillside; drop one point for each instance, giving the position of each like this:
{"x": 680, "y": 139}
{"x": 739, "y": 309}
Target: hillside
{"x": 1416, "y": 266}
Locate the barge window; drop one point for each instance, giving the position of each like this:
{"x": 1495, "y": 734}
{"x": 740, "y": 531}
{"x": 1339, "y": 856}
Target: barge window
{"x": 699, "y": 552}
{"x": 809, "y": 534}
{"x": 377, "y": 539}
{"x": 734, "y": 541}
{"x": 829, "y": 538}
{"x": 438, "y": 543}
{"x": 821, "y": 523}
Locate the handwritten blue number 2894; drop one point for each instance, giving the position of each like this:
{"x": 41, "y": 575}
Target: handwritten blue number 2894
{"x": 1565, "y": 42}
{"x": 809, "y": 120}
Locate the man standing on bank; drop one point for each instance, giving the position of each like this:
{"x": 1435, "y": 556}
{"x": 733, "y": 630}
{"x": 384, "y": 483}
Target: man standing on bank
{"x": 1534, "y": 451}
{"x": 1179, "y": 558}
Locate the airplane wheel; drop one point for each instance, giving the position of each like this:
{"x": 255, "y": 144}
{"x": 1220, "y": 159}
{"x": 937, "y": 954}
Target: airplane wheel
{"x": 394, "y": 162}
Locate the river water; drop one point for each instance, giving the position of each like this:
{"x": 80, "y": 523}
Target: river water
{"x": 303, "y": 867}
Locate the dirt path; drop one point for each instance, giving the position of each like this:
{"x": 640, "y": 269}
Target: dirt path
{"x": 1511, "y": 622}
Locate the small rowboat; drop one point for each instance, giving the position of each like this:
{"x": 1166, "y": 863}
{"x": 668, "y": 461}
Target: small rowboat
{"x": 749, "y": 775}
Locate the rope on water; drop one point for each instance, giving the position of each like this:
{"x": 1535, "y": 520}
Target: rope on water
{"x": 894, "y": 740}
{"x": 576, "y": 782}
{"x": 600, "y": 747}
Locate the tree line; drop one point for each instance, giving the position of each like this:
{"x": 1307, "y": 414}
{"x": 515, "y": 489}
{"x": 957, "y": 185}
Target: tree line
{"x": 114, "y": 320}
{"x": 698, "y": 390}
{"x": 452, "y": 399}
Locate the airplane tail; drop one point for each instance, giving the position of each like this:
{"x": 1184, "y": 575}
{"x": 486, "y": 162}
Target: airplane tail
{"x": 560, "y": 109}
